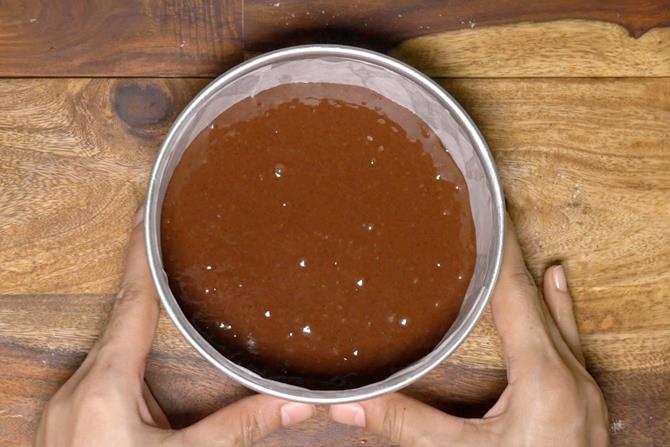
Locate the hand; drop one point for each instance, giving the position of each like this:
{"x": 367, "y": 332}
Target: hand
{"x": 550, "y": 399}
{"x": 107, "y": 403}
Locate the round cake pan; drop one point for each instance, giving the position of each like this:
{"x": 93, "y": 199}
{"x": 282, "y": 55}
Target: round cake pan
{"x": 399, "y": 83}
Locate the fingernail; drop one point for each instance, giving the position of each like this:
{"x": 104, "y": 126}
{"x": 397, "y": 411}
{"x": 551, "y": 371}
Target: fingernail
{"x": 294, "y": 412}
{"x": 139, "y": 216}
{"x": 349, "y": 414}
{"x": 559, "y": 278}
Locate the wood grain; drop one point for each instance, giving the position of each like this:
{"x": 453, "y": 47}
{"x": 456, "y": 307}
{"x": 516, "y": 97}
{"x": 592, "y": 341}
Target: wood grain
{"x": 567, "y": 48}
{"x": 270, "y": 24}
{"x": 43, "y": 348}
{"x": 585, "y": 164}
{"x": 601, "y": 141}
{"x": 120, "y": 38}
{"x": 589, "y": 156}
{"x": 74, "y": 159}
{"x": 204, "y": 37}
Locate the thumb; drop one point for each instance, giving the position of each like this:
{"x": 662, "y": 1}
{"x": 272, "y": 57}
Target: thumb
{"x": 243, "y": 423}
{"x": 408, "y": 422}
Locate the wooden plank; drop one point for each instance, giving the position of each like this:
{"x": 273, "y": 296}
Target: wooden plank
{"x": 271, "y": 24}
{"x": 638, "y": 340}
{"x": 567, "y": 166}
{"x": 75, "y": 155}
{"x": 43, "y": 348}
{"x": 204, "y": 37}
{"x": 120, "y": 38}
{"x": 590, "y": 156}
{"x": 567, "y": 48}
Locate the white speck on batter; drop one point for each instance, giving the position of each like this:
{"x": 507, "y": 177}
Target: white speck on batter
{"x": 616, "y": 426}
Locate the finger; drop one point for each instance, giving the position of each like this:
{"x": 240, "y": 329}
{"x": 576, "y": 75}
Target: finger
{"x": 408, "y": 422}
{"x": 153, "y": 413}
{"x": 516, "y": 308}
{"x": 133, "y": 319}
{"x": 560, "y": 306}
{"x": 244, "y": 422}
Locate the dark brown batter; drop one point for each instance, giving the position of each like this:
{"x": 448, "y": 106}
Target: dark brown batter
{"x": 319, "y": 234}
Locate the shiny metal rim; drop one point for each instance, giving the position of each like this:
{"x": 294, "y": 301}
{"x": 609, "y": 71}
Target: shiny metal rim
{"x": 240, "y": 374}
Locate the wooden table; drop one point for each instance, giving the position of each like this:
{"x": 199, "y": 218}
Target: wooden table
{"x": 573, "y": 99}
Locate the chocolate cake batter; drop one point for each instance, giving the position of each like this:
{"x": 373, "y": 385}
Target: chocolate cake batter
{"x": 319, "y": 234}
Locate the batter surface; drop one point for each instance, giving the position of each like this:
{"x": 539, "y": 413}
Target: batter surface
{"x": 319, "y": 234}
